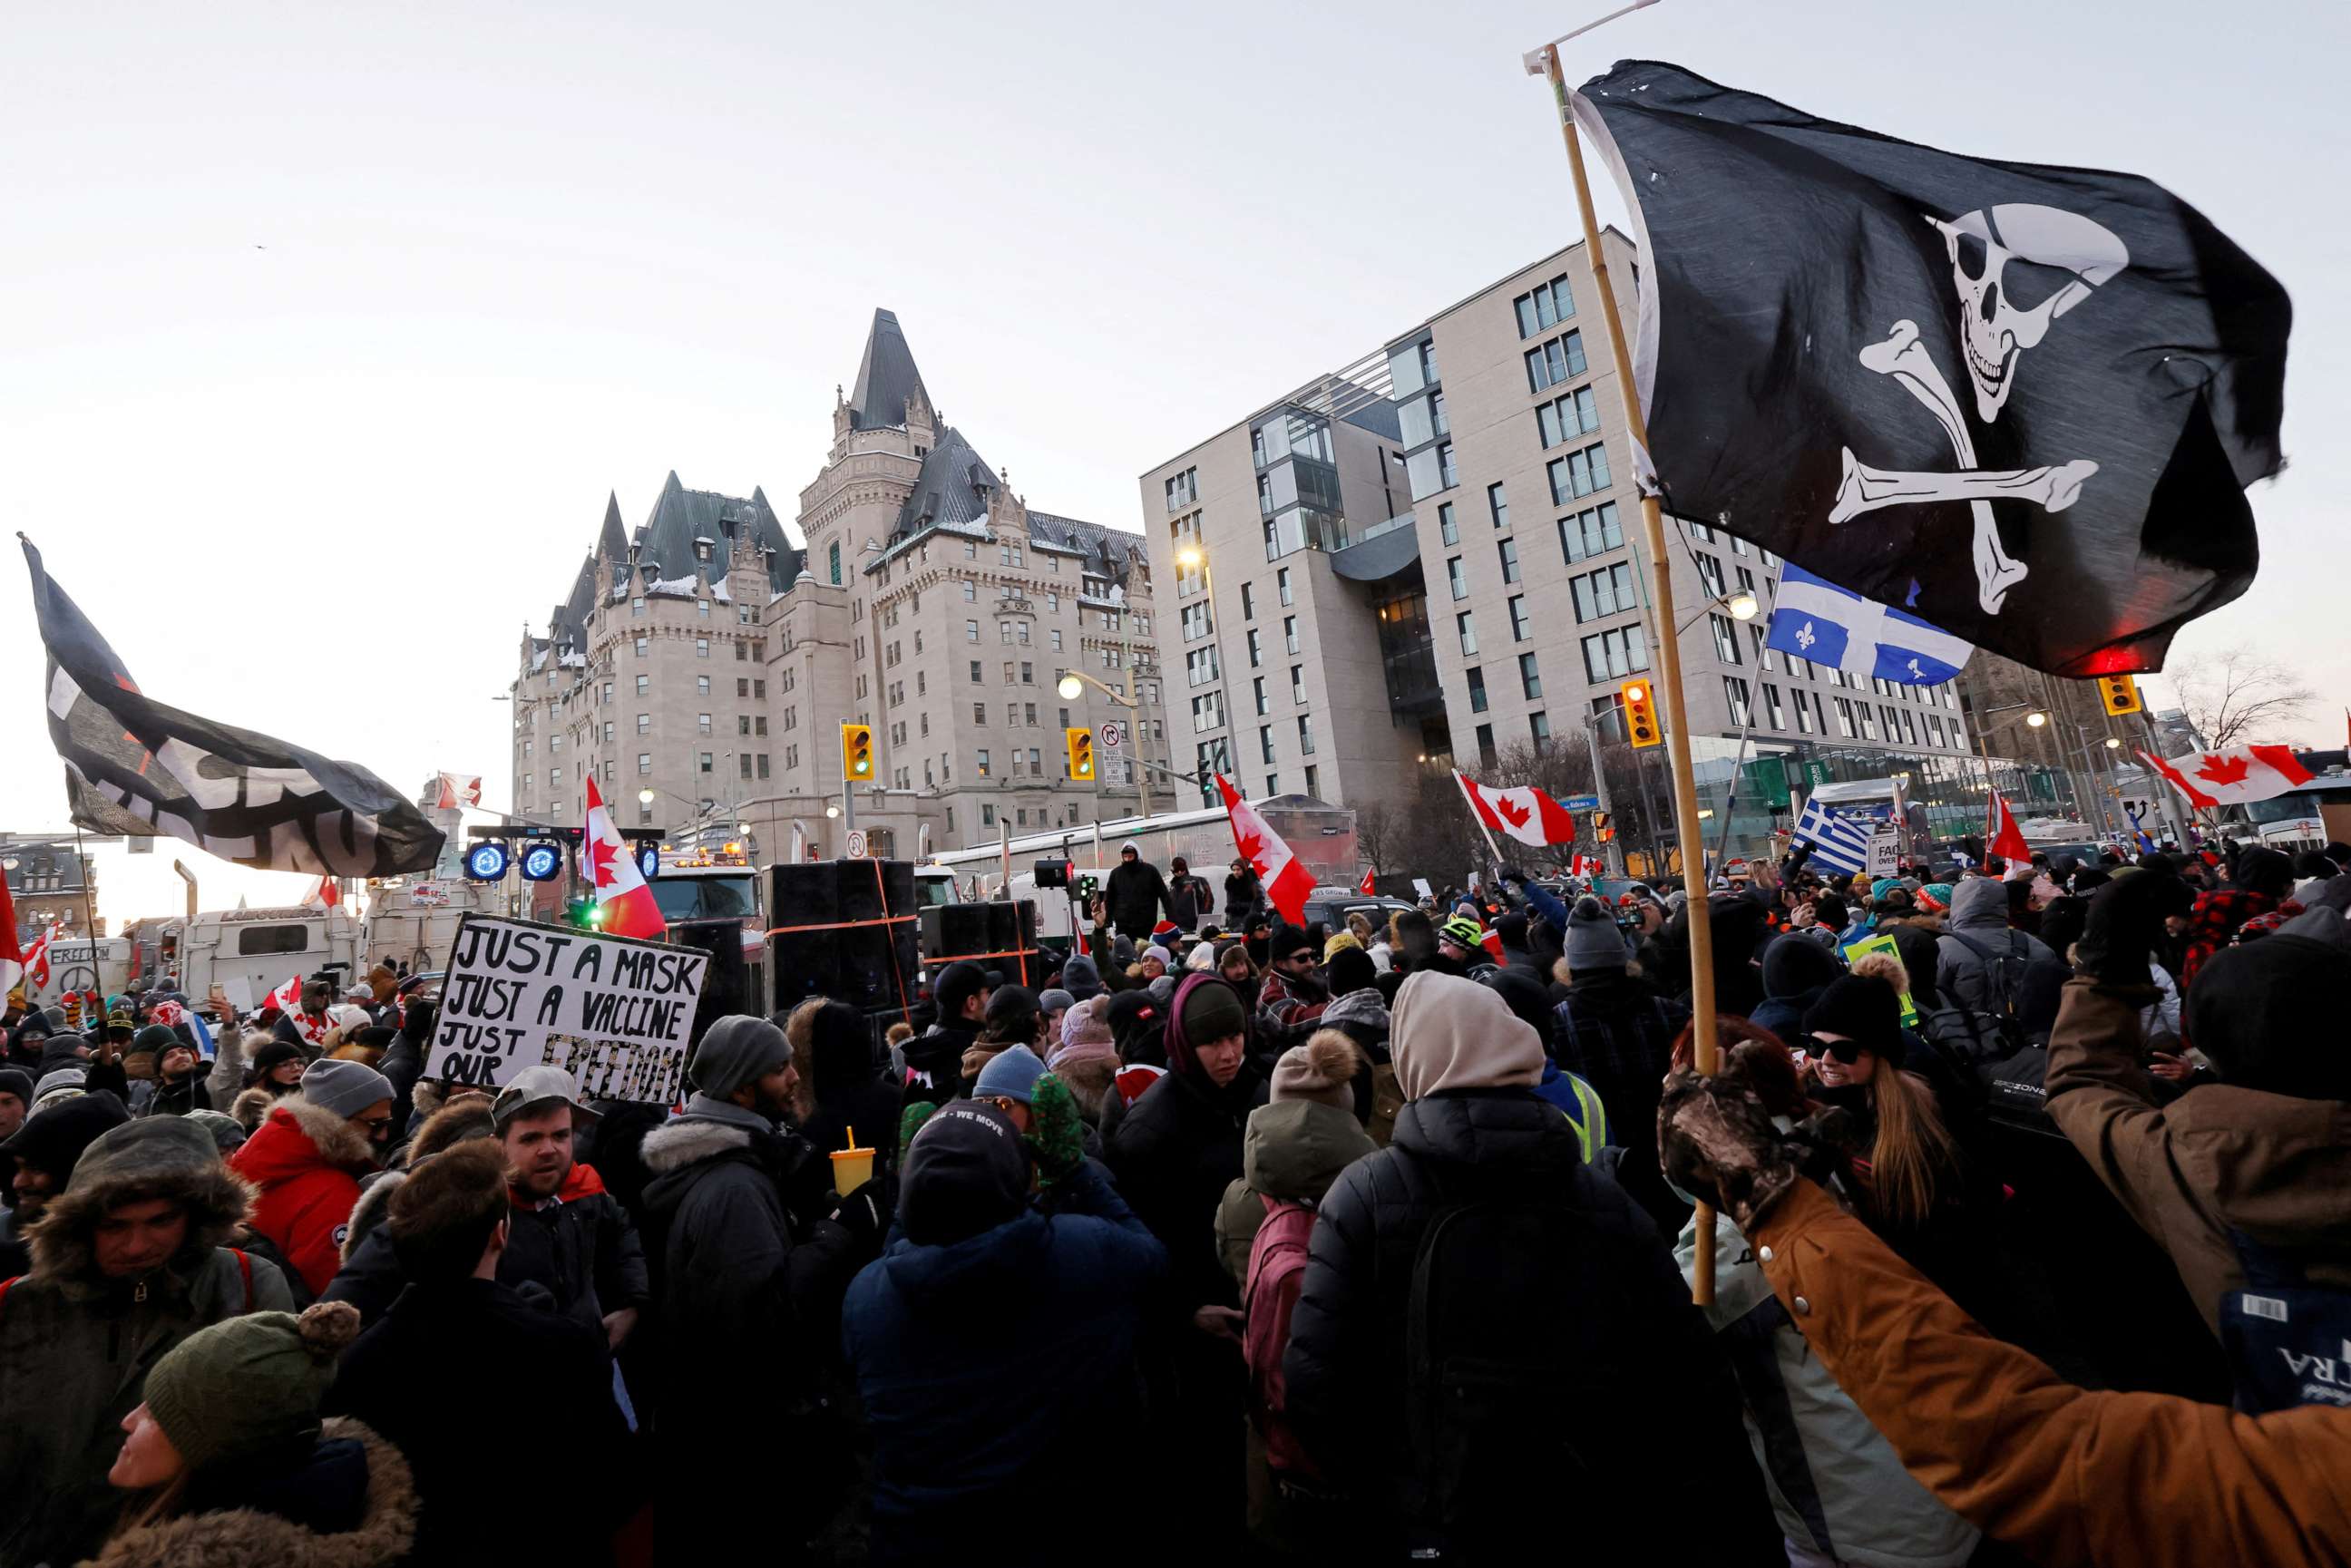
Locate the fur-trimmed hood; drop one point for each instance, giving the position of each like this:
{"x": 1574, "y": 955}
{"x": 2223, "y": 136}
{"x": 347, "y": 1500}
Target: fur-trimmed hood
{"x": 688, "y": 1141}
{"x": 238, "y": 1537}
{"x": 297, "y": 1136}
{"x": 251, "y": 1107}
{"x": 159, "y": 1157}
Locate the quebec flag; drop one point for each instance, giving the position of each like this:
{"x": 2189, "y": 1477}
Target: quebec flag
{"x": 1816, "y": 620}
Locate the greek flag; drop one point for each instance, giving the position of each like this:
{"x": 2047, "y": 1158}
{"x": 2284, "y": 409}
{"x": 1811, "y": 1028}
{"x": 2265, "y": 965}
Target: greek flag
{"x": 1816, "y": 620}
{"x": 1838, "y": 843}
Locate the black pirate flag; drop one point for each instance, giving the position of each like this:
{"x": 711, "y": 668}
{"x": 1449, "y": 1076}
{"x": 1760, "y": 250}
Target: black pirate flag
{"x": 136, "y": 767}
{"x": 2020, "y": 402}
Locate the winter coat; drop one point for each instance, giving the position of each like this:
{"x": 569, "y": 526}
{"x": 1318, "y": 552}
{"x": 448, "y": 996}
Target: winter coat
{"x": 225, "y": 1076}
{"x": 975, "y": 1427}
{"x": 402, "y": 1064}
{"x": 1135, "y": 894}
{"x": 733, "y": 1271}
{"x": 307, "y": 1162}
{"x": 351, "y": 1504}
{"x": 934, "y": 1063}
{"x": 2275, "y": 1167}
{"x": 580, "y": 1246}
{"x": 1244, "y": 896}
{"x": 1617, "y": 1035}
{"x": 1175, "y": 1152}
{"x": 1347, "y": 1341}
{"x": 1293, "y": 1149}
{"x": 1839, "y": 1490}
{"x": 1290, "y": 1000}
{"x": 2063, "y": 1474}
{"x": 1980, "y": 913}
{"x": 396, "y": 1378}
{"x": 169, "y": 1097}
{"x": 1190, "y": 901}
{"x": 75, "y": 1346}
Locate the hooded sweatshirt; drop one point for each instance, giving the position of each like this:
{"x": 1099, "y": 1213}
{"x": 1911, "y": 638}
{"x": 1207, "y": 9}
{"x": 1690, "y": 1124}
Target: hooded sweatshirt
{"x": 1293, "y": 1150}
{"x": 1795, "y": 973}
{"x": 1454, "y": 1033}
{"x": 1976, "y": 936}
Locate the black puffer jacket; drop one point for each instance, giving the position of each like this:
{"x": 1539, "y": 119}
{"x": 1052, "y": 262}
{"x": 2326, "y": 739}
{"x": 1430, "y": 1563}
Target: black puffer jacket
{"x": 1656, "y": 1381}
{"x": 1136, "y": 893}
{"x": 1175, "y": 1153}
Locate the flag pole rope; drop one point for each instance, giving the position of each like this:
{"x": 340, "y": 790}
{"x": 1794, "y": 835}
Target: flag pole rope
{"x": 1690, "y": 837}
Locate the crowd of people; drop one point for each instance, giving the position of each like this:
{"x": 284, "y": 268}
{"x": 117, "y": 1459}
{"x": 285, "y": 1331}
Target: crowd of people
{"x": 1228, "y": 1238}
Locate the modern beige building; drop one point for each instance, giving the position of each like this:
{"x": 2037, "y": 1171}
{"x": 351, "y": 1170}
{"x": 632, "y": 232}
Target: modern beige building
{"x": 1434, "y": 556}
{"x": 709, "y": 661}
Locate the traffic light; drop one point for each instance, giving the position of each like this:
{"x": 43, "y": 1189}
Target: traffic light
{"x": 1600, "y": 828}
{"x": 1079, "y": 745}
{"x": 584, "y": 912}
{"x": 1640, "y": 714}
{"x": 856, "y": 752}
{"x": 2121, "y": 694}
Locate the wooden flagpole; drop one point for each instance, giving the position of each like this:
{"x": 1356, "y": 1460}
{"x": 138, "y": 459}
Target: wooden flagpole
{"x": 1690, "y": 838}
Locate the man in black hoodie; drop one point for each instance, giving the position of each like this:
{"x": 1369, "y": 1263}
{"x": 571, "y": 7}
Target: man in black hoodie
{"x": 935, "y": 1057}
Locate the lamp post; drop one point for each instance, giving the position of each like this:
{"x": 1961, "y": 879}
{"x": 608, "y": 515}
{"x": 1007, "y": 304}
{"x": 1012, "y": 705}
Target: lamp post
{"x": 1072, "y": 686}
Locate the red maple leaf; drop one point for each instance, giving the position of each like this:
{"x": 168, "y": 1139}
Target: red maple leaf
{"x": 2224, "y": 770}
{"x": 600, "y": 856}
{"x": 1511, "y": 811}
{"x": 1252, "y": 849}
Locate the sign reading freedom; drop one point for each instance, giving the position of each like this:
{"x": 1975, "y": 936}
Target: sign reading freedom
{"x": 612, "y": 1011}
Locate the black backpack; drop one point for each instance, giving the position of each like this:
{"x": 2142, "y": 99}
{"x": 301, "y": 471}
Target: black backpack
{"x": 1509, "y": 1293}
{"x": 1985, "y": 1038}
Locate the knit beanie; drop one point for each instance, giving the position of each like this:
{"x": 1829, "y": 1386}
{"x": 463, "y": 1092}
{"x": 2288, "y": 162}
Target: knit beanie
{"x": 272, "y": 1053}
{"x": 1202, "y": 958}
{"x": 1080, "y": 978}
{"x": 1322, "y": 1070}
{"x": 345, "y": 1087}
{"x": 17, "y": 1081}
{"x": 1211, "y": 1010}
{"x": 250, "y": 1384}
{"x": 1863, "y": 1010}
{"x": 1287, "y": 940}
{"x": 1087, "y": 1023}
{"x": 1011, "y": 1074}
{"x": 227, "y": 1132}
{"x": 1166, "y": 959}
{"x": 966, "y": 1172}
{"x": 1593, "y": 941}
{"x": 1055, "y": 1000}
{"x": 2268, "y": 1013}
{"x": 738, "y": 1049}
{"x": 1352, "y": 970}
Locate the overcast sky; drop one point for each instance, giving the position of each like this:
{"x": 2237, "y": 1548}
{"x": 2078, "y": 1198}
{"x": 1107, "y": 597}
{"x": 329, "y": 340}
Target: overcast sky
{"x": 327, "y": 329}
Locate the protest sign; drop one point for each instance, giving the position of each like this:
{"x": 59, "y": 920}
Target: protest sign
{"x": 612, "y": 1011}
{"x": 1884, "y": 945}
{"x": 1885, "y": 852}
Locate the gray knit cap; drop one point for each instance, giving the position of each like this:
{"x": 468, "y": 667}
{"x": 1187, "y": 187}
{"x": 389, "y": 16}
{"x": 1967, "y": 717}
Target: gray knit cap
{"x": 345, "y": 1087}
{"x": 738, "y": 1049}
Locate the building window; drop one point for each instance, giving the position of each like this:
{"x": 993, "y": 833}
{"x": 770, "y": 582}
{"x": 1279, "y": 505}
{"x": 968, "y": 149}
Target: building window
{"x": 1547, "y": 364}
{"x": 1772, "y": 717}
{"x": 983, "y": 762}
{"x": 1306, "y": 734}
{"x": 1258, "y": 686}
{"x": 1578, "y": 474}
{"x": 832, "y": 558}
{"x": 1546, "y": 306}
{"x": 1201, "y": 665}
{"x": 1447, "y": 529}
{"x": 1281, "y": 586}
{"x": 763, "y": 765}
{"x": 1314, "y": 782}
{"x": 1509, "y": 552}
{"x": 1290, "y": 632}
{"x": 642, "y": 645}
{"x": 1530, "y": 676}
{"x": 1195, "y": 622}
{"x": 1844, "y": 717}
{"x": 702, "y": 723}
{"x": 1519, "y": 625}
{"x": 971, "y": 631}
{"x": 1256, "y": 649}
{"x": 1539, "y": 731}
{"x": 1709, "y": 573}
{"x": 1589, "y": 533}
{"x": 1477, "y": 689}
{"x": 1568, "y": 416}
{"x": 1803, "y": 719}
{"x": 1457, "y": 578}
{"x": 1608, "y": 592}
{"x": 702, "y": 609}
{"x": 1736, "y": 692}
{"x": 1297, "y": 684}
{"x": 644, "y": 724}
{"x": 1726, "y": 639}
{"x": 1465, "y": 624}
{"x": 1497, "y": 504}
{"x": 1207, "y": 712}
{"x": 1248, "y": 602}
{"x": 1264, "y": 743}
{"x": 644, "y": 763}
{"x": 705, "y": 762}
{"x": 1183, "y": 490}
{"x": 636, "y": 607}
{"x": 1613, "y": 656}
{"x": 1486, "y": 756}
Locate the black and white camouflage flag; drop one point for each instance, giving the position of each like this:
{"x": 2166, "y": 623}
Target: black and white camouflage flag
{"x": 136, "y": 767}
{"x": 2020, "y": 402}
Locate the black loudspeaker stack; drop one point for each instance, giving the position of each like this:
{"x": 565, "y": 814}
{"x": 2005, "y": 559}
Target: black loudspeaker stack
{"x": 843, "y": 950}
{"x": 726, "y": 985}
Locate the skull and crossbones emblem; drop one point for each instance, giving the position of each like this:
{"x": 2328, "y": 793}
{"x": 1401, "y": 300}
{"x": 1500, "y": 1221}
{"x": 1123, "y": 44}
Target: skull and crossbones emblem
{"x": 2015, "y": 269}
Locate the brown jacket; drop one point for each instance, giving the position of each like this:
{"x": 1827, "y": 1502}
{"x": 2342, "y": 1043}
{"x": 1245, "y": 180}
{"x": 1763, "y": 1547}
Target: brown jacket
{"x": 2064, "y": 1475}
{"x": 2217, "y": 1159}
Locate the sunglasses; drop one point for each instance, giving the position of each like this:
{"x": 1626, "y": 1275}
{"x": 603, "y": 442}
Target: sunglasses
{"x": 1844, "y": 1051}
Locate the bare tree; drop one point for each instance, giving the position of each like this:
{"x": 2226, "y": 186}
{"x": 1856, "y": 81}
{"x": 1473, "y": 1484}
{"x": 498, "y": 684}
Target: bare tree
{"x": 1379, "y": 831}
{"x": 2238, "y": 695}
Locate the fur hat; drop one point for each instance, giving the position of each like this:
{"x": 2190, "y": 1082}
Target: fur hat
{"x": 136, "y": 1162}
{"x": 1322, "y": 1069}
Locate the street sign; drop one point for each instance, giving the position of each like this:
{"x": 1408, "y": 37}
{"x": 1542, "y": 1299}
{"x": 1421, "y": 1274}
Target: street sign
{"x": 1581, "y": 802}
{"x": 1109, "y": 734}
{"x": 857, "y": 844}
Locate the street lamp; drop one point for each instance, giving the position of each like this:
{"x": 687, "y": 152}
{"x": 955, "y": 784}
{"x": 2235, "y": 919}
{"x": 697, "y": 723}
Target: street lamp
{"x": 1742, "y": 605}
{"x": 1072, "y": 686}
{"x": 831, "y": 812}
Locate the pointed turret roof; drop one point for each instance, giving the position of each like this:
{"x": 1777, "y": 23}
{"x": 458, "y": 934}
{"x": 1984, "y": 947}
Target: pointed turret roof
{"x": 886, "y": 377}
{"x": 612, "y": 540}
{"x": 681, "y": 518}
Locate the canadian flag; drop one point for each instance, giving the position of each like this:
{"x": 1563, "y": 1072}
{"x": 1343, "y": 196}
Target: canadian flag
{"x": 1586, "y": 865}
{"x": 605, "y": 861}
{"x": 1526, "y": 813}
{"x": 12, "y": 955}
{"x": 288, "y": 999}
{"x": 457, "y": 789}
{"x": 1365, "y": 887}
{"x": 1286, "y": 880}
{"x": 37, "y": 958}
{"x": 326, "y": 895}
{"x": 2004, "y": 838}
{"x": 2232, "y": 776}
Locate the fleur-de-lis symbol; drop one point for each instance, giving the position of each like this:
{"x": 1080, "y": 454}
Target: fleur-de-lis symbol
{"x": 1805, "y": 638}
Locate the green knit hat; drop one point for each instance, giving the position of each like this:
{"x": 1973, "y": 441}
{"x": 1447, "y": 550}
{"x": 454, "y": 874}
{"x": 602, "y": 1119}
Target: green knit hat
{"x": 243, "y": 1386}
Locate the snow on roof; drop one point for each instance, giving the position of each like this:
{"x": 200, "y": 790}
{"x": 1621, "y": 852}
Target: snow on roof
{"x": 718, "y": 590}
{"x": 678, "y": 587}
